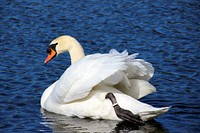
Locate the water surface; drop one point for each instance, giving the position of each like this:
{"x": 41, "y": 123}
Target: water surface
{"x": 165, "y": 33}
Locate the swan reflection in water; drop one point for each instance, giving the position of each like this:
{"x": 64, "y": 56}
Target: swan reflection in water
{"x": 65, "y": 124}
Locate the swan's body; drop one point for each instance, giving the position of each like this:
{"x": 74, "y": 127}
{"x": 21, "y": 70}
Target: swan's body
{"x": 81, "y": 90}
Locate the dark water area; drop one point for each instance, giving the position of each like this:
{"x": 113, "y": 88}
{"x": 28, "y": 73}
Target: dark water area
{"x": 165, "y": 33}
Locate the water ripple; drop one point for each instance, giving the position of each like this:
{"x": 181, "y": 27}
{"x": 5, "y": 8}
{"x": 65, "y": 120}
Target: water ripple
{"x": 165, "y": 33}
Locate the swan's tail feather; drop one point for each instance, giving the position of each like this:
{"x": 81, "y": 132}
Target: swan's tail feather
{"x": 148, "y": 115}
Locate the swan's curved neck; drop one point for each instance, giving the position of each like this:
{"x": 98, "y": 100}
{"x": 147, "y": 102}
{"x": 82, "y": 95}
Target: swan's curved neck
{"x": 76, "y": 52}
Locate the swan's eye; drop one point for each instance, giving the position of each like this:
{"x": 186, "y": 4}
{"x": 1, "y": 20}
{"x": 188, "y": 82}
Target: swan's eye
{"x": 51, "y": 47}
{"x": 49, "y": 51}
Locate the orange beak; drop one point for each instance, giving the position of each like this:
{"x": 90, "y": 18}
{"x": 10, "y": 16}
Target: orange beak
{"x": 50, "y": 56}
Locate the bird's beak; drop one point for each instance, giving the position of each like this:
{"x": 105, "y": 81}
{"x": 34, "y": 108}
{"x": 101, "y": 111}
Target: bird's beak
{"x": 50, "y": 56}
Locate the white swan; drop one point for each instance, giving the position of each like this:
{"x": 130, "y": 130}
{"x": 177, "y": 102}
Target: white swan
{"x": 82, "y": 88}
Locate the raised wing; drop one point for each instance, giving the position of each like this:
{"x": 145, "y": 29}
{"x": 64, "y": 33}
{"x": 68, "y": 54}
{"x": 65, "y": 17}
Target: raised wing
{"x": 137, "y": 68}
{"x": 79, "y": 79}
{"x": 113, "y": 69}
{"x": 135, "y": 78}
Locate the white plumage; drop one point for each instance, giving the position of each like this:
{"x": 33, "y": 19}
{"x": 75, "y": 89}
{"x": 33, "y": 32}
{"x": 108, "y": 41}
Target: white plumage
{"x": 81, "y": 89}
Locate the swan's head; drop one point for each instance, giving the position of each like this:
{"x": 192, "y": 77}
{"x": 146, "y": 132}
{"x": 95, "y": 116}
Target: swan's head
{"x": 59, "y": 45}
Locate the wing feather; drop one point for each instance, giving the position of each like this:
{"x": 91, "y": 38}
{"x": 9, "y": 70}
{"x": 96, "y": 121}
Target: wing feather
{"x": 111, "y": 69}
{"x": 79, "y": 79}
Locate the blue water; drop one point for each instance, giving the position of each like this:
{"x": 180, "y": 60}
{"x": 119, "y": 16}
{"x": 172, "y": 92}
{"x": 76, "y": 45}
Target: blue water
{"x": 165, "y": 33}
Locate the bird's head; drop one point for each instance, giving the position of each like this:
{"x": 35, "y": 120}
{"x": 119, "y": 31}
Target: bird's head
{"x": 59, "y": 45}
